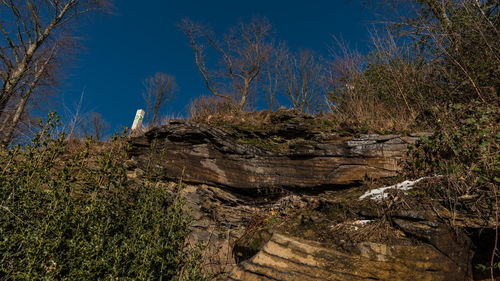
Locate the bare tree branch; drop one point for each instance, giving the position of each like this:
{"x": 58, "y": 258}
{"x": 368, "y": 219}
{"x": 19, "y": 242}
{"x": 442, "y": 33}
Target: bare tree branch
{"x": 305, "y": 81}
{"x": 29, "y": 36}
{"x": 242, "y": 53}
{"x": 158, "y": 90}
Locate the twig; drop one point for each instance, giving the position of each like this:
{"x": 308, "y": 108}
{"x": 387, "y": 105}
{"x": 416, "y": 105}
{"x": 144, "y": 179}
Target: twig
{"x": 8, "y": 210}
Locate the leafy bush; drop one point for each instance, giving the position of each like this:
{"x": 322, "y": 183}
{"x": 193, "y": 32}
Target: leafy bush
{"x": 464, "y": 146}
{"x": 68, "y": 211}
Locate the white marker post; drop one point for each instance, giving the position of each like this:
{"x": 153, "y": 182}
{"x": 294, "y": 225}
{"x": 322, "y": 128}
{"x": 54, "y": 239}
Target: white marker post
{"x": 139, "y": 115}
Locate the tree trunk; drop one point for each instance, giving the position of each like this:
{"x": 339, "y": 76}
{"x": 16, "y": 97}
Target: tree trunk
{"x": 11, "y": 83}
{"x": 244, "y": 94}
{"x": 10, "y": 127}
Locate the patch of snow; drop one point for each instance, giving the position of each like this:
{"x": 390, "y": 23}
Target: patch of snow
{"x": 362, "y": 222}
{"x": 359, "y": 223}
{"x": 380, "y": 193}
{"x": 354, "y": 224}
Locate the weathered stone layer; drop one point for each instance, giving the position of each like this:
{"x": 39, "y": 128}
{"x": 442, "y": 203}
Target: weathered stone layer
{"x": 207, "y": 155}
{"x": 287, "y": 258}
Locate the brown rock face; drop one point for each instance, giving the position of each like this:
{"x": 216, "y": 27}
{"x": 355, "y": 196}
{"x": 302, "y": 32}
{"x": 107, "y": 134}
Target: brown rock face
{"x": 220, "y": 157}
{"x": 329, "y": 234}
{"x": 286, "y": 258}
{"x": 424, "y": 248}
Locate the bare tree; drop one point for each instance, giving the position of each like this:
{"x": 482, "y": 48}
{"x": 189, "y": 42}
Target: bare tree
{"x": 242, "y": 51}
{"x": 158, "y": 90}
{"x": 305, "y": 81}
{"x": 95, "y": 126}
{"x": 33, "y": 34}
{"x": 274, "y": 62}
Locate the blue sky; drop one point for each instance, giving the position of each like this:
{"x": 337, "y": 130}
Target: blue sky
{"x": 141, "y": 38}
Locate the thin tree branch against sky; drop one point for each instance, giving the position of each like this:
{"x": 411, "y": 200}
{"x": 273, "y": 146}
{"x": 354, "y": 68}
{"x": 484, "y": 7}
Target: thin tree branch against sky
{"x": 138, "y": 40}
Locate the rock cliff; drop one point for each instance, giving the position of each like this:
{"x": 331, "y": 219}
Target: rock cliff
{"x": 304, "y": 160}
{"x": 283, "y": 201}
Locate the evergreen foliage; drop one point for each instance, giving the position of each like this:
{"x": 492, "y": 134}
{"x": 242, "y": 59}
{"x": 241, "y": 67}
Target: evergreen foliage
{"x": 67, "y": 211}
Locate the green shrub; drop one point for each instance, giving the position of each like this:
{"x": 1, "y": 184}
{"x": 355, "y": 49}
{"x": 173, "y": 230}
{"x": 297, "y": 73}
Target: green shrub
{"x": 464, "y": 146}
{"x": 68, "y": 211}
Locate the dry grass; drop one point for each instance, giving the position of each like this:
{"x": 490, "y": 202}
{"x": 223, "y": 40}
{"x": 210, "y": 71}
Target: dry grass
{"x": 204, "y": 108}
{"x": 385, "y": 91}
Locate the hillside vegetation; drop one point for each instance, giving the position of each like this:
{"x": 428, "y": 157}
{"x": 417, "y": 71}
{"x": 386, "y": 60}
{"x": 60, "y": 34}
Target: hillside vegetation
{"x": 69, "y": 210}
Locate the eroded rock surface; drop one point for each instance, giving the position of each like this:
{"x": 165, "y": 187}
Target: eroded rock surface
{"x": 249, "y": 159}
{"x": 297, "y": 237}
{"x": 222, "y": 219}
{"x": 338, "y": 237}
{"x": 288, "y": 258}
{"x": 249, "y": 192}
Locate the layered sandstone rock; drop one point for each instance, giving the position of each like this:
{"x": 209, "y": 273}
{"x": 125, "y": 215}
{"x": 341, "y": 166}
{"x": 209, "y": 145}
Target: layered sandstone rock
{"x": 281, "y": 202}
{"x": 288, "y": 258}
{"x": 287, "y": 238}
{"x": 202, "y": 154}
